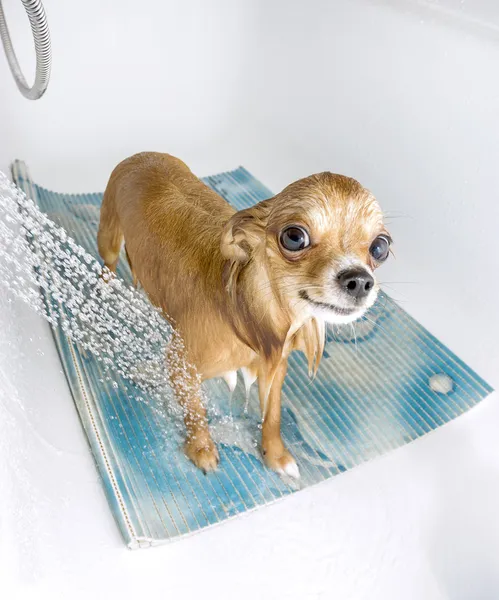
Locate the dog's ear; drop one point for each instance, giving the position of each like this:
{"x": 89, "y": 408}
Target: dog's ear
{"x": 243, "y": 232}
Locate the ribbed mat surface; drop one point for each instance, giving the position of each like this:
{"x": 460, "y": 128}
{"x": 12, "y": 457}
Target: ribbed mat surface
{"x": 372, "y": 395}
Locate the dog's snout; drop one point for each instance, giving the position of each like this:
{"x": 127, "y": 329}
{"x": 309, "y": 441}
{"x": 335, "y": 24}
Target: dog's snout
{"x": 356, "y": 282}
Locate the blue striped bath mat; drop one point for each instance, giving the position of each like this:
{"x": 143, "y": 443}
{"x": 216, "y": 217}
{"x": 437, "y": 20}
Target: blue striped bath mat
{"x": 381, "y": 385}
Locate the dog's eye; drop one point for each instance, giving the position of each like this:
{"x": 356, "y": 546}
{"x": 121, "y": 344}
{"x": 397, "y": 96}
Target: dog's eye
{"x": 380, "y": 248}
{"x": 295, "y": 238}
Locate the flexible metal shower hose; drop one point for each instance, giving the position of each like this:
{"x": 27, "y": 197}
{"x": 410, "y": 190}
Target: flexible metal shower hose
{"x": 41, "y": 35}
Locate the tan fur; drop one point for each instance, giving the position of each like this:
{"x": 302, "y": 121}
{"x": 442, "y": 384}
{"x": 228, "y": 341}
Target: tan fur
{"x": 225, "y": 282}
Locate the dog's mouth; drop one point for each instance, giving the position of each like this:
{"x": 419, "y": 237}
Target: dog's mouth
{"x": 339, "y": 310}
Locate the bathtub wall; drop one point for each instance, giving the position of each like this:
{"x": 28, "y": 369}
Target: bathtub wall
{"x": 127, "y": 76}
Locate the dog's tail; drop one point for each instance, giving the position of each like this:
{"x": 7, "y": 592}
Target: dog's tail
{"x": 110, "y": 235}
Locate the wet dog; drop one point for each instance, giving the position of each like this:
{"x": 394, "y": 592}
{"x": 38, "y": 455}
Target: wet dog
{"x": 243, "y": 289}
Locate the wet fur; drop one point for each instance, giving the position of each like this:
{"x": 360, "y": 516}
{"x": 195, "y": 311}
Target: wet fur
{"x": 222, "y": 279}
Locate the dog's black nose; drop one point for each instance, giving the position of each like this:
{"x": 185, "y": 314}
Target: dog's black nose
{"x": 356, "y": 282}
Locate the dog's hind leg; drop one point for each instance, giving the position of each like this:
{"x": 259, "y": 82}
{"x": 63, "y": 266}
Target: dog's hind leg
{"x": 186, "y": 384}
{"x": 110, "y": 234}
{"x": 134, "y": 275}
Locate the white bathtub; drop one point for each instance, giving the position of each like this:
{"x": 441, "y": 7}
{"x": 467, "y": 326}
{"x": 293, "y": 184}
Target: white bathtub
{"x": 402, "y": 95}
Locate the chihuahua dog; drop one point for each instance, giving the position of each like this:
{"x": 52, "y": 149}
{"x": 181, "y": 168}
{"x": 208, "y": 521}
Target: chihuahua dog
{"x": 243, "y": 289}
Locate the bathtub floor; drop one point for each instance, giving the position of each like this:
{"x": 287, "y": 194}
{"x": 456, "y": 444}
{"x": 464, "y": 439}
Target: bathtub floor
{"x": 420, "y": 523}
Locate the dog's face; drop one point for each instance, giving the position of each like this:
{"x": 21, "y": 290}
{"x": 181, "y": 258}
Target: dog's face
{"x": 325, "y": 238}
{"x": 321, "y": 240}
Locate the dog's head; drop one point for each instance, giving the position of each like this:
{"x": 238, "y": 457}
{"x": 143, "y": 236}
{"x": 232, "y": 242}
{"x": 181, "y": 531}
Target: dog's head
{"x": 316, "y": 245}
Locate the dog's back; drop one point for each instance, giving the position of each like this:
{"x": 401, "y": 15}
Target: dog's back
{"x": 171, "y": 223}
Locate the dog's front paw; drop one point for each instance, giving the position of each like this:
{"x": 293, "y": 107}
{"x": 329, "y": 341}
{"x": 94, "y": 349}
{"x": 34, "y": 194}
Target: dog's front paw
{"x": 203, "y": 453}
{"x": 280, "y": 460}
